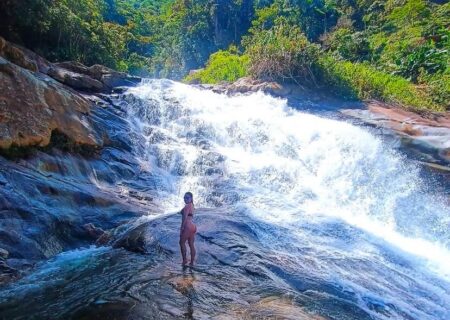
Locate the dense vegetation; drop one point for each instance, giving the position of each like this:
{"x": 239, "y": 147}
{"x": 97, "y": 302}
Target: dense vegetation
{"x": 394, "y": 50}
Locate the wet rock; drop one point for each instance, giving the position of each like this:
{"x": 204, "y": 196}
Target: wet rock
{"x": 93, "y": 231}
{"x": 16, "y": 55}
{"x": 3, "y": 254}
{"x": 33, "y": 107}
{"x": 104, "y": 239}
{"x": 429, "y": 130}
{"x": 75, "y": 80}
{"x": 73, "y": 66}
{"x": 23, "y": 57}
{"x": 247, "y": 84}
{"x": 111, "y": 78}
{"x": 101, "y": 236}
{"x": 7, "y": 273}
{"x": 133, "y": 240}
{"x": 94, "y": 78}
{"x": 140, "y": 195}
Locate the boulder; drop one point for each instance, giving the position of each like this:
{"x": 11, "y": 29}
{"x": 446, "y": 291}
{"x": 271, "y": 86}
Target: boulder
{"x": 3, "y": 254}
{"x": 247, "y": 84}
{"x": 33, "y": 107}
{"x": 7, "y": 273}
{"x": 73, "y": 66}
{"x": 112, "y": 78}
{"x": 17, "y": 56}
{"x": 101, "y": 236}
{"x": 23, "y": 57}
{"x": 93, "y": 231}
{"x": 73, "y": 74}
{"x": 94, "y": 78}
{"x": 251, "y": 85}
{"x": 75, "y": 80}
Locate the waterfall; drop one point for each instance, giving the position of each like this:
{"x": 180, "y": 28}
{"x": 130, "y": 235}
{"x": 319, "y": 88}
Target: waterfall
{"x": 299, "y": 215}
{"x": 289, "y": 168}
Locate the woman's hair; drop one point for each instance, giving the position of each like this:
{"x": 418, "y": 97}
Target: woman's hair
{"x": 190, "y": 195}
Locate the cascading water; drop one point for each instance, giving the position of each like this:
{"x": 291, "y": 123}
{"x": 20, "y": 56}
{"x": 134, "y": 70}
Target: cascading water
{"x": 306, "y": 174}
{"x": 286, "y": 167}
{"x": 346, "y": 226}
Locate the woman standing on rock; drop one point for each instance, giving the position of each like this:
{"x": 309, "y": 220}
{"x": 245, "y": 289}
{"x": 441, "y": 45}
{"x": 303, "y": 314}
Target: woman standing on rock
{"x": 188, "y": 228}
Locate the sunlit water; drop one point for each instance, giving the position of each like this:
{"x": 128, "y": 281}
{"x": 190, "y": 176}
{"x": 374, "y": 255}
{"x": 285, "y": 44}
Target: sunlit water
{"x": 292, "y": 169}
{"x": 286, "y": 167}
{"x": 333, "y": 200}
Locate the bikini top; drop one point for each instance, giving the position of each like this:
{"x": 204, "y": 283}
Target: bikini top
{"x": 189, "y": 214}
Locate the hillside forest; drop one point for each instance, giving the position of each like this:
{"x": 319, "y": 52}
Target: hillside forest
{"x": 395, "y": 50}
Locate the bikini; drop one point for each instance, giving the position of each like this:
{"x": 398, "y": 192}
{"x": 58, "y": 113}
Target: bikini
{"x": 189, "y": 214}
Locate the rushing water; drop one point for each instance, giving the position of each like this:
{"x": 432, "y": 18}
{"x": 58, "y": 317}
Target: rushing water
{"x": 327, "y": 200}
{"x": 287, "y": 167}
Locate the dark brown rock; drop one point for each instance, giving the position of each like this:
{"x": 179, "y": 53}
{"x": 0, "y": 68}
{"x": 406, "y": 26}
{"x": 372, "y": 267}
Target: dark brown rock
{"x": 96, "y": 77}
{"x": 7, "y": 273}
{"x": 93, "y": 231}
{"x": 16, "y": 55}
{"x": 33, "y": 106}
{"x": 103, "y": 239}
{"x": 74, "y": 80}
{"x": 247, "y": 84}
{"x": 23, "y": 57}
{"x": 73, "y": 66}
{"x": 101, "y": 236}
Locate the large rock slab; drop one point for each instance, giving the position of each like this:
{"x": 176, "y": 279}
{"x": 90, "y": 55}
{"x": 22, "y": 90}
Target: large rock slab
{"x": 33, "y": 106}
{"x": 430, "y": 130}
{"x": 75, "y": 80}
{"x": 23, "y": 57}
{"x": 101, "y": 78}
{"x": 96, "y": 78}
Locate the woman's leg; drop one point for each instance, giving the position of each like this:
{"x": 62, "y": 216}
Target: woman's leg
{"x": 192, "y": 247}
{"x": 183, "y": 239}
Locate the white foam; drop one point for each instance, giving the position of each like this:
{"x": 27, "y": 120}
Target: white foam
{"x": 296, "y": 166}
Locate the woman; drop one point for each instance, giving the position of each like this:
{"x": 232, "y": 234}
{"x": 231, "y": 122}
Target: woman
{"x": 188, "y": 228}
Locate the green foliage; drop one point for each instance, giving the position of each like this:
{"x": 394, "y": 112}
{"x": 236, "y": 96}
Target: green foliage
{"x": 221, "y": 66}
{"x": 69, "y": 30}
{"x": 188, "y": 32}
{"x": 359, "y": 80}
{"x": 438, "y": 87}
{"x": 424, "y": 59}
{"x": 348, "y": 44}
{"x": 281, "y": 53}
{"x": 396, "y": 50}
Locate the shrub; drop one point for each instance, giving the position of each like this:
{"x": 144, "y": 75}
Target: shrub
{"x": 362, "y": 81}
{"x": 437, "y": 86}
{"x": 348, "y": 44}
{"x": 221, "y": 66}
{"x": 281, "y": 53}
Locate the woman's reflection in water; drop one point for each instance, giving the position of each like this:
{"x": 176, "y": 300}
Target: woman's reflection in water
{"x": 186, "y": 288}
